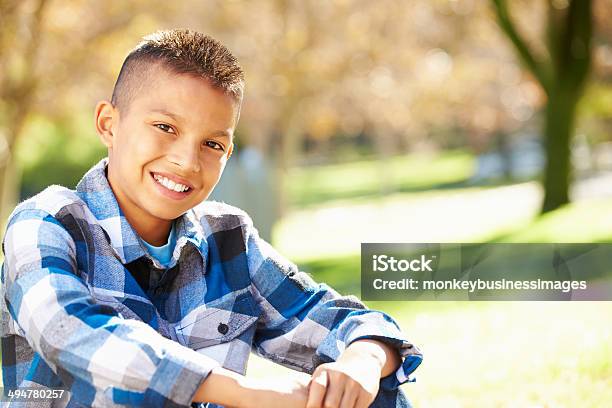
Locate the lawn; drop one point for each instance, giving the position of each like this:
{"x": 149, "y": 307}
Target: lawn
{"x": 503, "y": 354}
{"x": 313, "y": 185}
{"x": 477, "y": 354}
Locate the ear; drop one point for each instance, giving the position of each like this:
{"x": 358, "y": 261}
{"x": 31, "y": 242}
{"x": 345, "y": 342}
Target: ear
{"x": 106, "y": 117}
{"x": 230, "y": 150}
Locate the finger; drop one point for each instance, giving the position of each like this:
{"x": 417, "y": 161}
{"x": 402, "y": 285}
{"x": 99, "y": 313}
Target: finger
{"x": 364, "y": 400}
{"x": 316, "y": 390}
{"x": 349, "y": 397}
{"x": 335, "y": 389}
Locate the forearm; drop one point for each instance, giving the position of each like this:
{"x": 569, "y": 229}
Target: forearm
{"x": 387, "y": 357}
{"x": 223, "y": 387}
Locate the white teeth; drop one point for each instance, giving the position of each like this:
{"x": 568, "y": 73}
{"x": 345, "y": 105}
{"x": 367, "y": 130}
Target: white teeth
{"x": 169, "y": 184}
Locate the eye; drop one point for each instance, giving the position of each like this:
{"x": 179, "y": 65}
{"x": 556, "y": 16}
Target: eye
{"x": 164, "y": 127}
{"x": 214, "y": 145}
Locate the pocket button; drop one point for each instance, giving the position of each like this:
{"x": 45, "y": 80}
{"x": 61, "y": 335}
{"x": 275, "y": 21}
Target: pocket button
{"x": 222, "y": 328}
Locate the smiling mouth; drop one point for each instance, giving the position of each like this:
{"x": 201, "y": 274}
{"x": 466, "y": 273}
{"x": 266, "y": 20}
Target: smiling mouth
{"x": 170, "y": 185}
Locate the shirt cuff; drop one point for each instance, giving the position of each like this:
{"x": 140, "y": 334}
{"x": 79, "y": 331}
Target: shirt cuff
{"x": 384, "y": 329}
{"x": 178, "y": 377}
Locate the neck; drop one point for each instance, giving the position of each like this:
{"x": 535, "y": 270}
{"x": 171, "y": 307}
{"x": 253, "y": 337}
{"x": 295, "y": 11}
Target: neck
{"x": 153, "y": 235}
{"x": 154, "y": 231}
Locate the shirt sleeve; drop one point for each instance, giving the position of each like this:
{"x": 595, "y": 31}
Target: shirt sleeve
{"x": 89, "y": 346}
{"x": 305, "y": 324}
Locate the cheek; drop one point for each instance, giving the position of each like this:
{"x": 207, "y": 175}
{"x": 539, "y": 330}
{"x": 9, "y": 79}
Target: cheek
{"x": 222, "y": 164}
{"x": 218, "y": 163}
{"x": 146, "y": 147}
{"x": 214, "y": 158}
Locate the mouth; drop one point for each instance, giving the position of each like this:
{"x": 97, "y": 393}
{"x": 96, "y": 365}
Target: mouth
{"x": 171, "y": 188}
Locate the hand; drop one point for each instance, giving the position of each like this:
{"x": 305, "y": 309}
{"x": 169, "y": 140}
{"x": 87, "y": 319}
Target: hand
{"x": 287, "y": 392}
{"x": 347, "y": 383}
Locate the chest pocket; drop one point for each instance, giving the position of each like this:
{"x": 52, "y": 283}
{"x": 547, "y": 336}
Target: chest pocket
{"x": 218, "y": 322}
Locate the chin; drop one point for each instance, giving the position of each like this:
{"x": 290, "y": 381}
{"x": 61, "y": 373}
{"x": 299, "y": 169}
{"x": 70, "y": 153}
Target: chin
{"x": 166, "y": 213}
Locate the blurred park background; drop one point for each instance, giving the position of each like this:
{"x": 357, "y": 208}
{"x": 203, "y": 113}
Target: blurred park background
{"x": 373, "y": 121}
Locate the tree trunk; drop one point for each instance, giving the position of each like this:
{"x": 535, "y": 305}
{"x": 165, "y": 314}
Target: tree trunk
{"x": 290, "y": 145}
{"x": 9, "y": 192}
{"x": 562, "y": 76}
{"x": 558, "y": 132}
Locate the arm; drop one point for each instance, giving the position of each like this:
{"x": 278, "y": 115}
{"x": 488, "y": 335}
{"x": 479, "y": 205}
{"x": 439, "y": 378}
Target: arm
{"x": 229, "y": 389}
{"x": 305, "y": 324}
{"x": 222, "y": 386}
{"x": 111, "y": 358}
{"x": 382, "y": 355}
{"x": 353, "y": 381}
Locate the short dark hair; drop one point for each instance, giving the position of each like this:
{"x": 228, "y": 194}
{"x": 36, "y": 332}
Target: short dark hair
{"x": 182, "y": 51}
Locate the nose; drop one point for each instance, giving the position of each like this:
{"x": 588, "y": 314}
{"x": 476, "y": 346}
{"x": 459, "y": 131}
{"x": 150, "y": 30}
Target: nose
{"x": 186, "y": 156}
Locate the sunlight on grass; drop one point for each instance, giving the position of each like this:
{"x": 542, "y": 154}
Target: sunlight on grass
{"x": 312, "y": 185}
{"x": 503, "y": 354}
{"x": 458, "y": 215}
{"x": 477, "y": 354}
{"x": 585, "y": 221}
{"x": 515, "y": 354}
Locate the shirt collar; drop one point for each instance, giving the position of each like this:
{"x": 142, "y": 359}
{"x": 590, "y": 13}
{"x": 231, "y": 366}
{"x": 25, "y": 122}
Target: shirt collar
{"x": 96, "y": 192}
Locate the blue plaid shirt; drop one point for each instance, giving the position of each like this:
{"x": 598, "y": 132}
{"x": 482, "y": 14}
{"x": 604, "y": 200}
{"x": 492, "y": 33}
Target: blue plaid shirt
{"x": 86, "y": 309}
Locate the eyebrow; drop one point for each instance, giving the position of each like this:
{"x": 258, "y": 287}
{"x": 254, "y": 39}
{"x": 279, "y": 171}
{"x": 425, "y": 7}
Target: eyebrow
{"x": 168, "y": 113}
{"x": 221, "y": 133}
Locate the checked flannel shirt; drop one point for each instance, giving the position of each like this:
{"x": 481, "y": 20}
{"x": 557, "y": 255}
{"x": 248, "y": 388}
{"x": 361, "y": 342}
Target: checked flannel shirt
{"x": 86, "y": 309}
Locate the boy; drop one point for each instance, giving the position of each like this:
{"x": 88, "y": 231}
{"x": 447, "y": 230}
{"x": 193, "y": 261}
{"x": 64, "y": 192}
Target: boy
{"x": 134, "y": 290}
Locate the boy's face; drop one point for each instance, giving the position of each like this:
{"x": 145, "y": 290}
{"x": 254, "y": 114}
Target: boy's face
{"x": 178, "y": 128}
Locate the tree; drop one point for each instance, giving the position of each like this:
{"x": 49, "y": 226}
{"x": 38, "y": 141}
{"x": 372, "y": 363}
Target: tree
{"x": 562, "y": 74}
{"x": 17, "y": 87}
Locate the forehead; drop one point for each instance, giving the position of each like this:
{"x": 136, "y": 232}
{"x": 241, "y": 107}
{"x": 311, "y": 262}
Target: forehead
{"x": 192, "y": 99}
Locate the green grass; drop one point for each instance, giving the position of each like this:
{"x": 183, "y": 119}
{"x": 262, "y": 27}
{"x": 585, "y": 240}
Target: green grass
{"x": 572, "y": 223}
{"x": 408, "y": 173}
{"x": 477, "y": 354}
{"x": 474, "y": 214}
{"x": 514, "y": 354}
{"x": 588, "y": 221}
{"x": 503, "y": 354}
